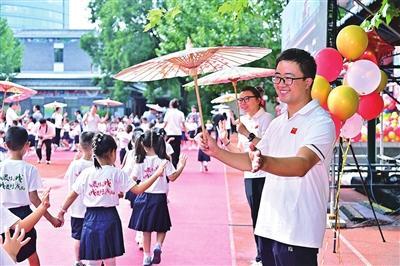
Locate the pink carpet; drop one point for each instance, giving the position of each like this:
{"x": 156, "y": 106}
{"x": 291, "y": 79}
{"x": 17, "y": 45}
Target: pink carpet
{"x": 198, "y": 209}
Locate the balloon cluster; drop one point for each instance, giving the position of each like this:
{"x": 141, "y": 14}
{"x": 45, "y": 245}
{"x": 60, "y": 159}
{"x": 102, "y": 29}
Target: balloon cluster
{"x": 358, "y": 98}
{"x": 389, "y": 126}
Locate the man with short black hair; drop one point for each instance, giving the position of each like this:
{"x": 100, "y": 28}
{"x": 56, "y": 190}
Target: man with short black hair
{"x": 295, "y": 153}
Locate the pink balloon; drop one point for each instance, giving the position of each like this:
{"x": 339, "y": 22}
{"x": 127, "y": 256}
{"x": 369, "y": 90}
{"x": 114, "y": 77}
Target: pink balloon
{"x": 363, "y": 76}
{"x": 352, "y": 127}
{"x": 329, "y": 63}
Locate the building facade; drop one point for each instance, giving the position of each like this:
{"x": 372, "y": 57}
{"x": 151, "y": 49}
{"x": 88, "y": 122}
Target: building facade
{"x": 34, "y": 14}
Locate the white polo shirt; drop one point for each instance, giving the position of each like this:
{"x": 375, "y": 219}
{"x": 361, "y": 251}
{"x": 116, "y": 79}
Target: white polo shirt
{"x": 293, "y": 209}
{"x": 257, "y": 124}
{"x": 174, "y": 119}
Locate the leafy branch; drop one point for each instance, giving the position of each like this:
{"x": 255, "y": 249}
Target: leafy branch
{"x": 155, "y": 16}
{"x": 386, "y": 13}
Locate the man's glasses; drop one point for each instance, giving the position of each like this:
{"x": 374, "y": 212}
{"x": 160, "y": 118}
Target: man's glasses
{"x": 286, "y": 80}
{"x": 245, "y": 99}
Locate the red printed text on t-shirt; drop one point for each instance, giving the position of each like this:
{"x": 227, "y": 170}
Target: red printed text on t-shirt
{"x": 101, "y": 188}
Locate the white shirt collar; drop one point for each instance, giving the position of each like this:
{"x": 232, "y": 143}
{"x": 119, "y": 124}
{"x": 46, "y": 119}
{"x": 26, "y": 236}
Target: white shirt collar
{"x": 305, "y": 109}
{"x": 259, "y": 113}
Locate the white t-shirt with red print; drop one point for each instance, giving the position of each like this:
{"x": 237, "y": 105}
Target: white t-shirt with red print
{"x": 100, "y": 186}
{"x": 74, "y": 170}
{"x": 146, "y": 169}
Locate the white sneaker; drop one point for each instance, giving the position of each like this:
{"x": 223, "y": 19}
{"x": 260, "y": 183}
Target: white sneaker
{"x": 147, "y": 261}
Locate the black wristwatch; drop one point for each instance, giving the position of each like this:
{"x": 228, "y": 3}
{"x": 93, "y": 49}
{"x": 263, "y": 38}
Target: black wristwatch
{"x": 251, "y": 136}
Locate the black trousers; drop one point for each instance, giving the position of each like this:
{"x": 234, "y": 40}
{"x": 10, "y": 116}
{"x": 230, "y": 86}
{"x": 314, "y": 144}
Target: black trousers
{"x": 57, "y": 138}
{"x": 279, "y": 254}
{"x": 176, "y": 146}
{"x": 47, "y": 143}
{"x": 253, "y": 188}
{"x": 122, "y": 153}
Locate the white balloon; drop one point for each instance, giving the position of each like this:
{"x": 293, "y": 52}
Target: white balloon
{"x": 363, "y": 76}
{"x": 352, "y": 127}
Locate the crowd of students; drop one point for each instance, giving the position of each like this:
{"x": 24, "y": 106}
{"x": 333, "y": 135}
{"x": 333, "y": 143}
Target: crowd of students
{"x": 96, "y": 186}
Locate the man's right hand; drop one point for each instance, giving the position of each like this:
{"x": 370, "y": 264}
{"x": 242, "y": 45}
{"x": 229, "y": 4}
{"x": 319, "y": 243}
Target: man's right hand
{"x": 206, "y": 143}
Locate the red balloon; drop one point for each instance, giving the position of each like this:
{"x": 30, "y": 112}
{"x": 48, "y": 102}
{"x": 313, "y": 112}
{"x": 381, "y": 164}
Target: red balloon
{"x": 369, "y": 55}
{"x": 338, "y": 124}
{"x": 370, "y": 106}
{"x": 329, "y": 63}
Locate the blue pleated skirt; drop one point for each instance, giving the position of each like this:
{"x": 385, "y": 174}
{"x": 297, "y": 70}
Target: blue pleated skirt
{"x": 101, "y": 234}
{"x": 129, "y": 195}
{"x": 150, "y": 213}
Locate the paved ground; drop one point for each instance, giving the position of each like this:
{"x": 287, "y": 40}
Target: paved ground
{"x": 211, "y": 224}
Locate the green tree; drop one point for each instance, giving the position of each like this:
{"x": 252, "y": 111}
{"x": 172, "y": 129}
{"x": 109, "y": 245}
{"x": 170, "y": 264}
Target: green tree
{"x": 208, "y": 23}
{"x": 120, "y": 41}
{"x": 10, "y": 52}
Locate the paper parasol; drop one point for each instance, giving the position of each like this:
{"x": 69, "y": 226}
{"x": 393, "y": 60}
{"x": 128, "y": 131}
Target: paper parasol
{"x": 192, "y": 62}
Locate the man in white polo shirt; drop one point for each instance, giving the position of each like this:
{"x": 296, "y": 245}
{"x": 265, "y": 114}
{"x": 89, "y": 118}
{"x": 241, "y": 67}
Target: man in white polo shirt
{"x": 296, "y": 151}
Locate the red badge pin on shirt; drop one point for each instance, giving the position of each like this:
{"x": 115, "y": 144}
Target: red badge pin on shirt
{"x": 293, "y": 131}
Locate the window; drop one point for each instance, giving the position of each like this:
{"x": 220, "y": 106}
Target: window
{"x": 58, "y": 55}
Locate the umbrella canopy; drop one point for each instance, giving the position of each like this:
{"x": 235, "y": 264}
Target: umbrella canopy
{"x": 191, "y": 62}
{"x": 55, "y": 104}
{"x": 10, "y": 87}
{"x": 225, "y": 98}
{"x": 7, "y": 86}
{"x": 234, "y": 75}
{"x": 221, "y": 106}
{"x": 108, "y": 102}
{"x": 18, "y": 97}
{"x": 155, "y": 107}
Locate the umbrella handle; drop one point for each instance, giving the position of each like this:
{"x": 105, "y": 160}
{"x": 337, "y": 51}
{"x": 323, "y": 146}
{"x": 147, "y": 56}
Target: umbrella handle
{"x": 234, "y": 83}
{"x": 196, "y": 87}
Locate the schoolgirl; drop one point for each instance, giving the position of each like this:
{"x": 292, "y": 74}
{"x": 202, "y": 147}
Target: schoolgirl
{"x": 150, "y": 211}
{"x": 102, "y": 239}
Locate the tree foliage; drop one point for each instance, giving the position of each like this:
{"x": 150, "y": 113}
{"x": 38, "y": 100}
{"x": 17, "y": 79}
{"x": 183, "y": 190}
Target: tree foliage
{"x": 132, "y": 31}
{"x": 120, "y": 41}
{"x": 10, "y": 52}
{"x": 386, "y": 13}
{"x": 234, "y": 23}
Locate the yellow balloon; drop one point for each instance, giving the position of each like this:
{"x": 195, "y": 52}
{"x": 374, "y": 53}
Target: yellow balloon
{"x": 351, "y": 42}
{"x": 383, "y": 83}
{"x": 343, "y": 102}
{"x": 320, "y": 89}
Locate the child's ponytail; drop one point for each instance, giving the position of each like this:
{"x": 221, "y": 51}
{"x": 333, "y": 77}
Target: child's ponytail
{"x": 139, "y": 149}
{"x": 160, "y": 146}
{"x": 95, "y": 145}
